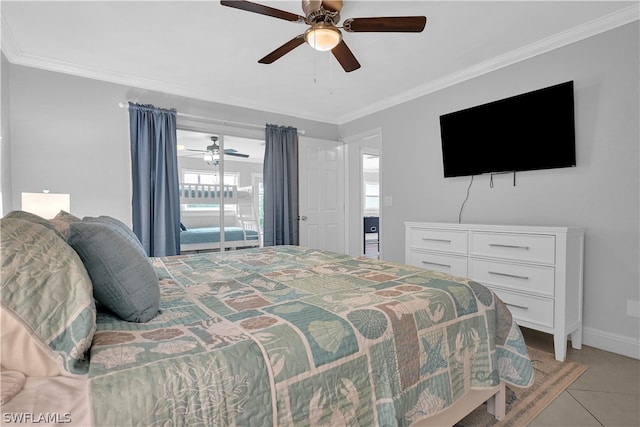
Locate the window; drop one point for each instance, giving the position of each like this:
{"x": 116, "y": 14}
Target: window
{"x": 206, "y": 177}
{"x": 372, "y": 196}
{"x": 210, "y": 178}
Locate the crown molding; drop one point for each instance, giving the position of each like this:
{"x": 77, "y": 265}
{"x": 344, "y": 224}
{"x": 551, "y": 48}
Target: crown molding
{"x": 9, "y": 45}
{"x": 589, "y": 29}
{"x": 572, "y": 35}
{"x": 16, "y": 56}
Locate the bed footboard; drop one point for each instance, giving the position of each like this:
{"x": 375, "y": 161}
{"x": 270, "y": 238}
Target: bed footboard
{"x": 496, "y": 405}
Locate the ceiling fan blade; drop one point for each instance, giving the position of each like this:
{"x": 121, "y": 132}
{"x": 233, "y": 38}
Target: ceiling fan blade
{"x": 262, "y": 10}
{"x": 233, "y": 152}
{"x": 345, "y": 57}
{"x": 399, "y": 24}
{"x": 197, "y": 151}
{"x": 283, "y": 50}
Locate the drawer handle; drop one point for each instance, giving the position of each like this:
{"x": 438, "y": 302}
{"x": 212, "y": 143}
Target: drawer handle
{"x": 497, "y": 273}
{"x": 498, "y": 245}
{"x": 522, "y": 307}
{"x": 429, "y": 239}
{"x": 437, "y": 263}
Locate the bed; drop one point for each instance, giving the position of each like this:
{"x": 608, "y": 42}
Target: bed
{"x": 281, "y": 335}
{"x": 244, "y": 234}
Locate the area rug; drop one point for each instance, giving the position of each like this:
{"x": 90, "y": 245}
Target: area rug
{"x": 524, "y": 404}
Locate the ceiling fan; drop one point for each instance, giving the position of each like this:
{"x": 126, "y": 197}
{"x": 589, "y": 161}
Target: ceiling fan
{"x": 212, "y": 153}
{"x": 324, "y": 34}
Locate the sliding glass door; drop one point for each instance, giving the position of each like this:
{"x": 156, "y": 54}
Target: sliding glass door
{"x": 220, "y": 177}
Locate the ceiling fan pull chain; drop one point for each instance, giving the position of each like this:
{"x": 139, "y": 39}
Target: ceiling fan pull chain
{"x": 331, "y": 74}
{"x": 315, "y": 68}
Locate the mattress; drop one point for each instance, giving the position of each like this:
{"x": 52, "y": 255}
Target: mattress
{"x": 212, "y": 235}
{"x": 294, "y": 336}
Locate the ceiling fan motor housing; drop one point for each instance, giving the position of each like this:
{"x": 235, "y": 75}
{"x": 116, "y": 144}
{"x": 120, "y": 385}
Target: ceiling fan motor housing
{"x": 322, "y": 11}
{"x": 214, "y": 148}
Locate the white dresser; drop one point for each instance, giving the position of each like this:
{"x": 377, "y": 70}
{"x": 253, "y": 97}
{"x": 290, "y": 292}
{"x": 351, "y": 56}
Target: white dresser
{"x": 536, "y": 271}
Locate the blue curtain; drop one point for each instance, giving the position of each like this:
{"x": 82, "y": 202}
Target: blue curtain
{"x": 154, "y": 168}
{"x": 280, "y": 178}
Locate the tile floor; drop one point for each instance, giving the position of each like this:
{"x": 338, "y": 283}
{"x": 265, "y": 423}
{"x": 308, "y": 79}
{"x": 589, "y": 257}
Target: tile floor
{"x": 607, "y": 394}
{"x": 371, "y": 246}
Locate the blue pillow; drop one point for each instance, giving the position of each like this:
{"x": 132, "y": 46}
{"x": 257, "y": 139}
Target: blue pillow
{"x": 128, "y": 233}
{"x": 123, "y": 279}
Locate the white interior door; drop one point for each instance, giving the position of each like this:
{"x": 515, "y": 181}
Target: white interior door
{"x": 321, "y": 194}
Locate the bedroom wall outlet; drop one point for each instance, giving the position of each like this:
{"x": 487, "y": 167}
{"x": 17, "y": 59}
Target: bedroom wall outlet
{"x": 633, "y": 308}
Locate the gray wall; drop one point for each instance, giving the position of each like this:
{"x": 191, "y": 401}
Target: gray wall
{"x": 69, "y": 135}
{"x": 602, "y": 193}
{"x": 5, "y": 139}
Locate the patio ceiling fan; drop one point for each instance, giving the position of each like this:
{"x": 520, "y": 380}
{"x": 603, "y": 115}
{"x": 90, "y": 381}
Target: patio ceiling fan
{"x": 324, "y": 34}
{"x": 212, "y": 154}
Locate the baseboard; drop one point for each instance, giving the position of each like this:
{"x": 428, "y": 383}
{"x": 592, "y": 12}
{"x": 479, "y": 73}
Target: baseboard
{"x": 614, "y": 343}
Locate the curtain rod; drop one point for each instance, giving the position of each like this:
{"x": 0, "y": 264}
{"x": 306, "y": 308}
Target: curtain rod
{"x": 223, "y": 122}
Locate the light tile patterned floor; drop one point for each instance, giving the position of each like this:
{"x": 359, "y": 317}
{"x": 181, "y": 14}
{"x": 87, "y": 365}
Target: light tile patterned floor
{"x": 607, "y": 394}
{"x": 371, "y": 248}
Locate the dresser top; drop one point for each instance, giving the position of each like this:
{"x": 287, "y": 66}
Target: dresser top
{"x": 497, "y": 227}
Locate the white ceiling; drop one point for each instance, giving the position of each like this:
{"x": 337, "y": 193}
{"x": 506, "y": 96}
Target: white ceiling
{"x": 204, "y": 50}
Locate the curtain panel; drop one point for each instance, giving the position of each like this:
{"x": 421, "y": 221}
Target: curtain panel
{"x": 154, "y": 168}
{"x": 280, "y": 177}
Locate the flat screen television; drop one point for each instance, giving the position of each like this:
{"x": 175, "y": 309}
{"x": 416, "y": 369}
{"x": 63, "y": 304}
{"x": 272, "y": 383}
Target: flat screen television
{"x": 534, "y": 130}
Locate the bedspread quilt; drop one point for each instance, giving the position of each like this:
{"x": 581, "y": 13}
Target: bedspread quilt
{"x": 295, "y": 336}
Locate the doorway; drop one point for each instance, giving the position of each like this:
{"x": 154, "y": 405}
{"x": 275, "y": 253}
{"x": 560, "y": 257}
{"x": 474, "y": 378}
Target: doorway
{"x": 371, "y": 205}
{"x": 363, "y": 152}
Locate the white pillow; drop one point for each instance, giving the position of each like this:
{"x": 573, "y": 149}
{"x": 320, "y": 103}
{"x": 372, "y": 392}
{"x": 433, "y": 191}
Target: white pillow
{"x": 48, "y": 310}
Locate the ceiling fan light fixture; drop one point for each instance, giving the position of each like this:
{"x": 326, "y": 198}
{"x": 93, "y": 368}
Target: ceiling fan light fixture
{"x": 211, "y": 158}
{"x": 322, "y": 36}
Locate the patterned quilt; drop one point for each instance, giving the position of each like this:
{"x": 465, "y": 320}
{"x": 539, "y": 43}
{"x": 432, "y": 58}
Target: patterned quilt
{"x": 294, "y": 336}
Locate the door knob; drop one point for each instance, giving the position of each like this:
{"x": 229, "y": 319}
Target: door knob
{"x": 303, "y": 217}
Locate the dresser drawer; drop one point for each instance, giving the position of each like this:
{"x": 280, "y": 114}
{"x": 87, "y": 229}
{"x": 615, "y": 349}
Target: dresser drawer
{"x": 528, "y": 310}
{"x": 450, "y": 264}
{"x": 539, "y": 248}
{"x": 439, "y": 240}
{"x": 519, "y": 277}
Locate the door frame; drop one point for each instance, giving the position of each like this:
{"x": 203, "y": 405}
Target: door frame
{"x": 367, "y": 142}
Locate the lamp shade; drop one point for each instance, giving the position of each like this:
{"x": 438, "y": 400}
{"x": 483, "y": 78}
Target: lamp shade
{"x": 46, "y": 205}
